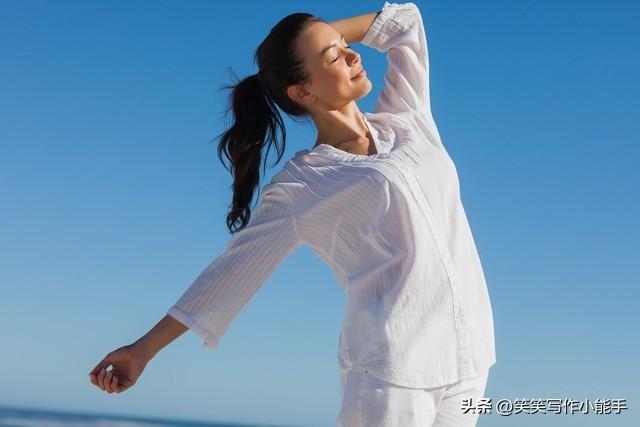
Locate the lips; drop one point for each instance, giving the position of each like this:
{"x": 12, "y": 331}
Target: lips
{"x": 359, "y": 74}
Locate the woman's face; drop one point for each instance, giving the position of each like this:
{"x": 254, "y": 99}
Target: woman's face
{"x": 334, "y": 70}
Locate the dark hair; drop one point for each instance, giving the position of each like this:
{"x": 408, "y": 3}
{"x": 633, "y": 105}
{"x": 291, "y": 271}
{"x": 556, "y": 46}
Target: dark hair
{"x": 256, "y": 117}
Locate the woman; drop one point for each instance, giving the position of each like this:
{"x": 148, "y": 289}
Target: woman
{"x": 377, "y": 198}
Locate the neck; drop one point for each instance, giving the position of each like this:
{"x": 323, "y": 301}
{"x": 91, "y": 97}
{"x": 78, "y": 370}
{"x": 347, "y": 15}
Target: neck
{"x": 337, "y": 126}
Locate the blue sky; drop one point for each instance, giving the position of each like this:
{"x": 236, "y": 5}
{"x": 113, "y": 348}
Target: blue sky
{"x": 113, "y": 201}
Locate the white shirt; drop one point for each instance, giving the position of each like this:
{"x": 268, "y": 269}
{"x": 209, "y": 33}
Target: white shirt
{"x": 391, "y": 226}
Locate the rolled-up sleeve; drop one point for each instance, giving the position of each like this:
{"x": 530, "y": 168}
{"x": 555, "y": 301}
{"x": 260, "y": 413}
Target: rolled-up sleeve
{"x": 399, "y": 30}
{"x": 227, "y": 284}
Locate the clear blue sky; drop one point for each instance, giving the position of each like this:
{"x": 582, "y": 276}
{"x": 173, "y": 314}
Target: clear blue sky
{"x": 113, "y": 201}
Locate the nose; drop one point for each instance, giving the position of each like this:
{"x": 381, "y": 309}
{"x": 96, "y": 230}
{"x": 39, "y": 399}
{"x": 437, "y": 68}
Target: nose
{"x": 353, "y": 57}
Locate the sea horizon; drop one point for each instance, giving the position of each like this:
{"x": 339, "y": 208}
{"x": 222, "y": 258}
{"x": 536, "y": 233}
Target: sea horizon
{"x": 23, "y": 416}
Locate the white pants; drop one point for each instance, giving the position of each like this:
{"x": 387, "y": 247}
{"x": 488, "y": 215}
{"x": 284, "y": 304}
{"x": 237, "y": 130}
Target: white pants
{"x": 370, "y": 402}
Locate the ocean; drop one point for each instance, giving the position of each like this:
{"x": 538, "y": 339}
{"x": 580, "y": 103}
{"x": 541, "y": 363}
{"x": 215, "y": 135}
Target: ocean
{"x": 27, "y": 417}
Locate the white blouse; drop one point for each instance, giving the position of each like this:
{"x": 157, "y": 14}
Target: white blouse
{"x": 391, "y": 226}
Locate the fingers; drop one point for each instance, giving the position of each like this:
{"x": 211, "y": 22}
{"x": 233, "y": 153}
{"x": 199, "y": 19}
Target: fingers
{"x": 101, "y": 376}
{"x": 95, "y": 379}
{"x": 108, "y": 382}
{"x": 104, "y": 379}
{"x": 114, "y": 384}
{"x": 104, "y": 363}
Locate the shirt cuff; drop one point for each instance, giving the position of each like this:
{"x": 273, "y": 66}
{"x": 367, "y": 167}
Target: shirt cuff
{"x": 209, "y": 340}
{"x": 374, "y": 36}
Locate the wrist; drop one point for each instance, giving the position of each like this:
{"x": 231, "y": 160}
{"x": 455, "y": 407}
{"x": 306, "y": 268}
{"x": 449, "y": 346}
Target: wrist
{"x": 143, "y": 348}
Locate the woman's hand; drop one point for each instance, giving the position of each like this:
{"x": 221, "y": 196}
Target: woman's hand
{"x": 127, "y": 363}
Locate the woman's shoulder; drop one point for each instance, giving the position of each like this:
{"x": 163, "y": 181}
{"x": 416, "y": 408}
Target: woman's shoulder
{"x": 287, "y": 175}
{"x": 287, "y": 181}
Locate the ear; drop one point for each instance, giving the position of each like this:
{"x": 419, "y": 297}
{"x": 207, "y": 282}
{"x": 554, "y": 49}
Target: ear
{"x": 300, "y": 95}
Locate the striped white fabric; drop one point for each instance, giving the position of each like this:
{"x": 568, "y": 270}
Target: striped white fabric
{"x": 390, "y": 225}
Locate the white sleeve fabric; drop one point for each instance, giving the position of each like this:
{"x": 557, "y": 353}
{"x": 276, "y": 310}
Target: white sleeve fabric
{"x": 398, "y": 30}
{"x": 227, "y": 284}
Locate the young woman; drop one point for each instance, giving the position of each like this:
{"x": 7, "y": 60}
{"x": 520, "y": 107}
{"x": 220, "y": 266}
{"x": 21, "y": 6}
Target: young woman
{"x": 377, "y": 198}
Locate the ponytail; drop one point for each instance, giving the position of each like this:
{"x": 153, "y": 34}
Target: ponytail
{"x": 256, "y": 122}
{"x": 255, "y": 101}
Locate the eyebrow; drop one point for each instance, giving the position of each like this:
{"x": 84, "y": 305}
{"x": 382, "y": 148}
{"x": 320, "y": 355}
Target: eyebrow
{"x": 330, "y": 46}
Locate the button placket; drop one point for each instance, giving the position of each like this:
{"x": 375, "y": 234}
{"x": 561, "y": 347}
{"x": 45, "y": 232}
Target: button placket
{"x": 414, "y": 189}
{"x": 447, "y": 261}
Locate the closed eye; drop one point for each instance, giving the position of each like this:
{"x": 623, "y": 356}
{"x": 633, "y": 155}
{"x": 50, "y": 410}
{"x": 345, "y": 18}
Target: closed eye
{"x": 338, "y": 57}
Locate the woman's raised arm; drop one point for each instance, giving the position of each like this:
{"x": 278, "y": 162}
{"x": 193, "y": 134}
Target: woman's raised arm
{"x": 399, "y": 31}
{"x": 354, "y": 27}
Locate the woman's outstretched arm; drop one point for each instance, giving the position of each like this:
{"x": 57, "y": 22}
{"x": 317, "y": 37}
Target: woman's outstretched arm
{"x": 220, "y": 291}
{"x": 163, "y": 333}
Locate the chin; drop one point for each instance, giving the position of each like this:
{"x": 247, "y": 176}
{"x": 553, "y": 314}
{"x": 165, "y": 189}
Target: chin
{"x": 364, "y": 91}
